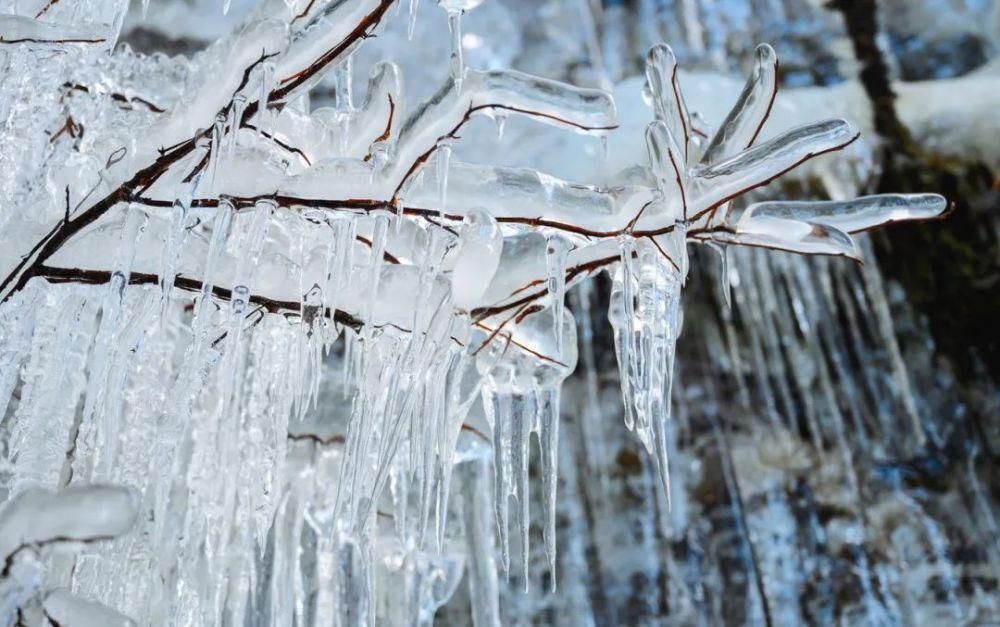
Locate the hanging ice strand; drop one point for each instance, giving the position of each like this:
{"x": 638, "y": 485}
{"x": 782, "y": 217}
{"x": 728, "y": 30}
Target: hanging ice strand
{"x": 455, "y": 8}
{"x": 344, "y": 100}
{"x": 547, "y": 387}
{"x": 521, "y": 393}
{"x": 556, "y": 250}
{"x": 98, "y": 440}
{"x": 644, "y": 308}
{"x": 267, "y": 78}
{"x": 457, "y": 60}
{"x": 443, "y": 165}
{"x": 412, "y": 25}
{"x": 178, "y": 222}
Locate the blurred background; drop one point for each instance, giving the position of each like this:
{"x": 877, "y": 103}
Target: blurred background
{"x": 837, "y": 425}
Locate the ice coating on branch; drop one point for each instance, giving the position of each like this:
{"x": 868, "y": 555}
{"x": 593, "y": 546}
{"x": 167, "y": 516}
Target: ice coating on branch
{"x": 665, "y": 95}
{"x": 304, "y": 335}
{"x": 795, "y": 236}
{"x": 62, "y": 608}
{"x": 741, "y": 127}
{"x": 852, "y": 216}
{"x": 37, "y": 517}
{"x": 727, "y": 178}
{"x": 20, "y": 29}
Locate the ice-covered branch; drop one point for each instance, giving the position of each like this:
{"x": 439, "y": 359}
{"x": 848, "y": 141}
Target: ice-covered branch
{"x": 180, "y": 287}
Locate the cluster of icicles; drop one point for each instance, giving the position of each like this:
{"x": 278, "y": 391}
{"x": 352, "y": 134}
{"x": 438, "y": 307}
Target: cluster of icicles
{"x": 263, "y": 361}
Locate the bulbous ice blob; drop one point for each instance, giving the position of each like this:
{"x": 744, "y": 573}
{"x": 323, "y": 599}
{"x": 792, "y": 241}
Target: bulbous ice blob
{"x": 536, "y": 338}
{"x": 481, "y": 244}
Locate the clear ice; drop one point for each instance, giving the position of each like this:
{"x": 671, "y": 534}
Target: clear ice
{"x": 293, "y": 358}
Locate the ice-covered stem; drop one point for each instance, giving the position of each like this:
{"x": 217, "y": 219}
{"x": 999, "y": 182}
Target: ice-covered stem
{"x": 36, "y": 517}
{"x": 99, "y": 277}
{"x": 317, "y": 49}
{"x": 441, "y": 117}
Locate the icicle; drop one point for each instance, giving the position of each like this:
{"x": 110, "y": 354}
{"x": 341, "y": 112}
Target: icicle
{"x": 225, "y": 6}
{"x": 267, "y": 77}
{"x": 621, "y": 315}
{"x": 379, "y": 239}
{"x": 239, "y": 105}
{"x": 251, "y": 248}
{"x": 556, "y": 252}
{"x": 457, "y": 58}
{"x": 97, "y": 436}
{"x": 548, "y": 440}
{"x": 483, "y": 585}
{"x": 497, "y": 401}
{"x": 344, "y": 103}
{"x": 522, "y": 416}
{"x": 145, "y": 8}
{"x": 178, "y": 224}
{"x": 215, "y": 154}
{"x": 220, "y": 232}
{"x": 501, "y": 122}
{"x": 725, "y": 284}
{"x": 443, "y": 161}
{"x": 412, "y": 23}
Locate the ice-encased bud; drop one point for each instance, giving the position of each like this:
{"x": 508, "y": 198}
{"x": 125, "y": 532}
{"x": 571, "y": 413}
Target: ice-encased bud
{"x": 480, "y": 247}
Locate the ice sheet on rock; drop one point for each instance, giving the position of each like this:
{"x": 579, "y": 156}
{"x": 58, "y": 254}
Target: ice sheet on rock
{"x": 852, "y": 216}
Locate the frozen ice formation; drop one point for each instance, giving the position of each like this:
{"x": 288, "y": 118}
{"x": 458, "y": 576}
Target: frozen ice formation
{"x": 189, "y": 247}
